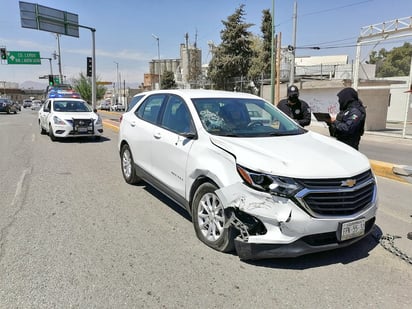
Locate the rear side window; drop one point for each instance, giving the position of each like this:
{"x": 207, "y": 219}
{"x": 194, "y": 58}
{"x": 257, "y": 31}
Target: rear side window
{"x": 149, "y": 110}
{"x": 133, "y": 101}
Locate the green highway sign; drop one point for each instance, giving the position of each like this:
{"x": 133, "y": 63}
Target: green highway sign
{"x": 23, "y": 57}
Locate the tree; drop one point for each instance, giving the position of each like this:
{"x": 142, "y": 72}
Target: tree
{"x": 168, "y": 80}
{"x": 83, "y": 85}
{"x": 232, "y": 58}
{"x": 262, "y": 50}
{"x": 392, "y": 63}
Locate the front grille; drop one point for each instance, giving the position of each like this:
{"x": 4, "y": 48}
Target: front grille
{"x": 332, "y": 197}
{"x": 82, "y": 126}
{"x": 333, "y": 182}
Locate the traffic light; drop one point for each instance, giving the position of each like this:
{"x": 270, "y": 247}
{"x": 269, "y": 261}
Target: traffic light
{"x": 89, "y": 66}
{"x": 3, "y": 53}
{"x": 51, "y": 80}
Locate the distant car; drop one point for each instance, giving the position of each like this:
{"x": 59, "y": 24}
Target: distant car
{"x": 56, "y": 88}
{"x": 18, "y": 105}
{"x": 63, "y": 93}
{"x": 36, "y": 104}
{"x": 249, "y": 176}
{"x": 8, "y": 106}
{"x": 27, "y": 103}
{"x": 117, "y": 107}
{"x": 69, "y": 117}
{"x": 105, "y": 106}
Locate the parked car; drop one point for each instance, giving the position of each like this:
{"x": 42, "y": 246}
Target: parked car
{"x": 69, "y": 117}
{"x": 263, "y": 185}
{"x": 8, "y": 106}
{"x": 27, "y": 103}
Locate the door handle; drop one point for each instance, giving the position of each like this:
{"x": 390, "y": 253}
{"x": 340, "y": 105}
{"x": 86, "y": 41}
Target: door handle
{"x": 133, "y": 123}
{"x": 157, "y": 135}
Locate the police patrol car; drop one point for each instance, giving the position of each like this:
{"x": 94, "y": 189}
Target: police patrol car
{"x": 65, "y": 114}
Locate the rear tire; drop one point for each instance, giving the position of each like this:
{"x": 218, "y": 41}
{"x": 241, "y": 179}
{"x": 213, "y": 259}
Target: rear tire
{"x": 209, "y": 219}
{"x": 128, "y": 165}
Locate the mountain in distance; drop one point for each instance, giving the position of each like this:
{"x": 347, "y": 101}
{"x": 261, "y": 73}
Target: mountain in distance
{"x": 33, "y": 85}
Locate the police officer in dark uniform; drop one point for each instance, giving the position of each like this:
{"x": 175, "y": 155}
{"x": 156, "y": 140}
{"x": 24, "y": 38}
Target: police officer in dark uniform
{"x": 295, "y": 108}
{"x": 348, "y": 126}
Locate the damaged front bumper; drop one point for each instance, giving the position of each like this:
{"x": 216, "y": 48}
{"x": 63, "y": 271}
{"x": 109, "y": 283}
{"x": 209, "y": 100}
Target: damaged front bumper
{"x": 272, "y": 227}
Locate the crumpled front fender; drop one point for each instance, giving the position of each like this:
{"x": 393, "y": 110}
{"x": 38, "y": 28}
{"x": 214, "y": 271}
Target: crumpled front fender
{"x": 255, "y": 203}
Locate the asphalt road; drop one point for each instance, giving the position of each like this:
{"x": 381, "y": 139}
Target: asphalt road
{"x": 74, "y": 234}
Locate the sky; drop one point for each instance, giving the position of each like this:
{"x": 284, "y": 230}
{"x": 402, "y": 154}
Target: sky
{"x": 126, "y": 30}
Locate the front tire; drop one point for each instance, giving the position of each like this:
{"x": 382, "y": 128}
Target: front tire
{"x": 128, "y": 165}
{"x": 51, "y": 135}
{"x": 42, "y": 130}
{"x": 209, "y": 219}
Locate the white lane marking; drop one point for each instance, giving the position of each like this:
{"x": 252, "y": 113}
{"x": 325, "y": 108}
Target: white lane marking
{"x": 20, "y": 186}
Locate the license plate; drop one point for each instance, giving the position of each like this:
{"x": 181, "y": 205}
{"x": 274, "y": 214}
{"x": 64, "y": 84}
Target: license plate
{"x": 352, "y": 229}
{"x": 81, "y": 130}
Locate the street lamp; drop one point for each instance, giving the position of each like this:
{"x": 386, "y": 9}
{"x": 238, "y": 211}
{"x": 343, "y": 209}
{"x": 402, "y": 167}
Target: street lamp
{"x": 158, "y": 57}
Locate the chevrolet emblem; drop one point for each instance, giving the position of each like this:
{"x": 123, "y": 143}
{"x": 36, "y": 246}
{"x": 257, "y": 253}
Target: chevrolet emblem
{"x": 348, "y": 183}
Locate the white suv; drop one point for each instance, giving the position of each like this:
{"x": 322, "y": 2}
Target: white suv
{"x": 69, "y": 117}
{"x": 250, "y": 177}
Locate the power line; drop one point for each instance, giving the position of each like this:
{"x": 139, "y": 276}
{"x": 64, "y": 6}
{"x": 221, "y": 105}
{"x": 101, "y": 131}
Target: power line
{"x": 337, "y": 8}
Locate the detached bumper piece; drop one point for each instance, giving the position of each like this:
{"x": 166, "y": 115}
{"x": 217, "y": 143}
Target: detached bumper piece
{"x": 83, "y": 127}
{"x": 303, "y": 246}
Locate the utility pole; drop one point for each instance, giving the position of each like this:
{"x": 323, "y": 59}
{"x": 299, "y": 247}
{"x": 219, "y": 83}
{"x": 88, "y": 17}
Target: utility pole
{"x": 158, "y": 57}
{"x": 272, "y": 57}
{"x": 117, "y": 82}
{"x": 59, "y": 59}
{"x": 292, "y": 61}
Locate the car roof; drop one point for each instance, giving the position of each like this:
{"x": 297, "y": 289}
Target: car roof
{"x": 67, "y": 99}
{"x": 203, "y": 93}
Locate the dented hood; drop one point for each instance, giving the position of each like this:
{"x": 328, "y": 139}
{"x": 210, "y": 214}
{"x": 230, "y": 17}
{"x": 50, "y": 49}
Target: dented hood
{"x": 309, "y": 155}
{"x": 76, "y": 115}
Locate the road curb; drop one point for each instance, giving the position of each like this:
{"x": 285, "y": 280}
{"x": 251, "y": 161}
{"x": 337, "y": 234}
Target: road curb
{"x": 387, "y": 170}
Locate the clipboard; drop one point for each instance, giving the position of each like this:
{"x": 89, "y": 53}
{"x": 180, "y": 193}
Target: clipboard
{"x": 322, "y": 117}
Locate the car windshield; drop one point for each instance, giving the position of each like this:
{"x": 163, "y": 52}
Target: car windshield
{"x": 240, "y": 117}
{"x": 71, "y": 106}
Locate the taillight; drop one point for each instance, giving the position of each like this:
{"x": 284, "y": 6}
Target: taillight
{"x": 120, "y": 119}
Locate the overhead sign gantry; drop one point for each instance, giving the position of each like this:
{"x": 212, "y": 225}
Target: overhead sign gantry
{"x": 39, "y": 17}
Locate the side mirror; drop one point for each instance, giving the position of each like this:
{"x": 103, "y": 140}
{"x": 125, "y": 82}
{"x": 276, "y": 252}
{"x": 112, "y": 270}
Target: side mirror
{"x": 95, "y": 110}
{"x": 46, "y": 110}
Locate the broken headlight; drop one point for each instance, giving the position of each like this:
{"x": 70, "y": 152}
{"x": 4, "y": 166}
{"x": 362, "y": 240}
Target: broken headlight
{"x": 277, "y": 185}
